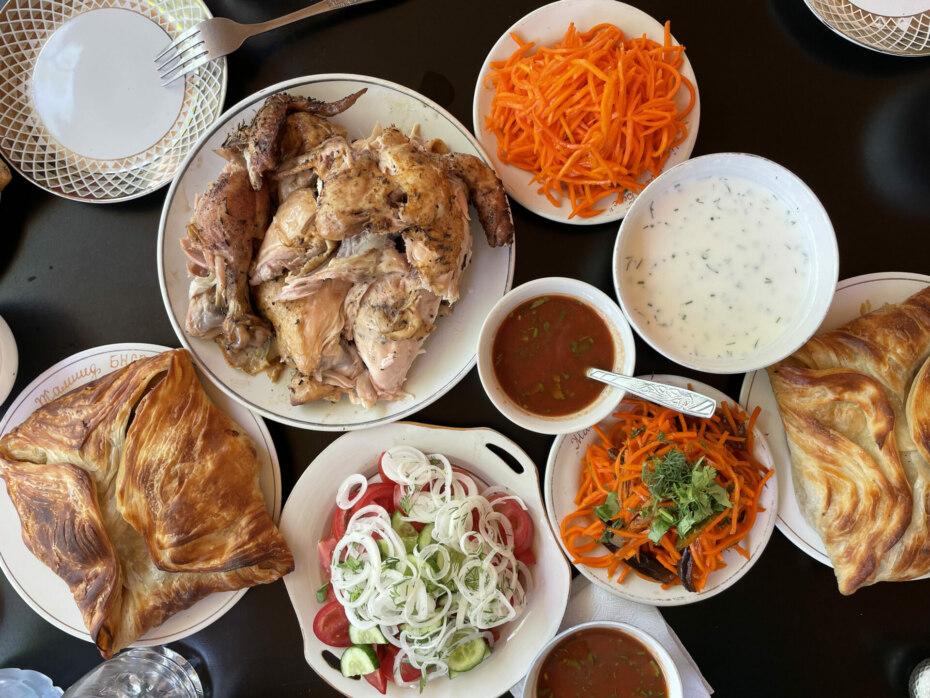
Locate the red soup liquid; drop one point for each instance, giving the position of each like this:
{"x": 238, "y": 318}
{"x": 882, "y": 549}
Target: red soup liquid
{"x": 541, "y": 350}
{"x": 600, "y": 663}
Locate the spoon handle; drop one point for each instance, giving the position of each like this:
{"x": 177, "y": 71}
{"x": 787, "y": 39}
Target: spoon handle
{"x": 679, "y": 399}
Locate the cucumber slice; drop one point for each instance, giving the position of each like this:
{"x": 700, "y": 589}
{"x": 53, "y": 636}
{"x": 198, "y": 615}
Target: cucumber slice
{"x": 422, "y": 632}
{"x": 359, "y": 660}
{"x": 405, "y": 530}
{"x": 373, "y": 636}
{"x": 426, "y": 535}
{"x": 468, "y": 655}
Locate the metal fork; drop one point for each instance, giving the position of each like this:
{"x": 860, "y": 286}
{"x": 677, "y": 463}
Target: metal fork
{"x": 219, "y": 36}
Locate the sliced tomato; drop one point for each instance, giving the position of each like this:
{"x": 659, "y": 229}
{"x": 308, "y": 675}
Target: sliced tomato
{"x": 378, "y": 679}
{"x": 340, "y": 522}
{"x": 331, "y": 625}
{"x": 526, "y": 557}
{"x": 380, "y": 493}
{"x": 407, "y": 672}
{"x": 520, "y": 521}
{"x": 384, "y": 477}
{"x": 398, "y": 496}
{"x": 324, "y": 552}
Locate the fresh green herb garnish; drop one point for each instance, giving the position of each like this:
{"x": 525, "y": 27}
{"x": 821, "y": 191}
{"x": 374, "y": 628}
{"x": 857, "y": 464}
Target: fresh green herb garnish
{"x": 472, "y": 578}
{"x": 691, "y": 488}
{"x": 406, "y": 504}
{"x": 322, "y": 593}
{"x": 609, "y": 509}
{"x": 352, "y": 564}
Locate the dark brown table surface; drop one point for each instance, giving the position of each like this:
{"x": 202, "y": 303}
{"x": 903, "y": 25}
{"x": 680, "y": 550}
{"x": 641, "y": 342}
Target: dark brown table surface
{"x": 774, "y": 81}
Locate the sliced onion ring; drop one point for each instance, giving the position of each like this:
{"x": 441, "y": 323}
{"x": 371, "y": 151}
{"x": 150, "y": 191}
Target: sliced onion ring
{"x": 344, "y": 500}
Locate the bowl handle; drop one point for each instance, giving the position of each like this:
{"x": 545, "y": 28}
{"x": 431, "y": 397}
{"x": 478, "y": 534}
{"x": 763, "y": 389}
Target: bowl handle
{"x": 489, "y": 437}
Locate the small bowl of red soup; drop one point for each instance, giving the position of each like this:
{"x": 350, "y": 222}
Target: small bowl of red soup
{"x": 603, "y": 658}
{"x": 534, "y": 348}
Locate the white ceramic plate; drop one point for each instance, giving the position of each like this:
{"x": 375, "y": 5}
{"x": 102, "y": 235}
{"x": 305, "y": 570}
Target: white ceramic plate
{"x": 561, "y": 483}
{"x": 45, "y": 591}
{"x": 82, "y": 110}
{"x": 307, "y": 518}
{"x": 9, "y": 360}
{"x": 546, "y": 26}
{"x": 854, "y": 297}
{"x": 898, "y": 27}
{"x": 450, "y": 349}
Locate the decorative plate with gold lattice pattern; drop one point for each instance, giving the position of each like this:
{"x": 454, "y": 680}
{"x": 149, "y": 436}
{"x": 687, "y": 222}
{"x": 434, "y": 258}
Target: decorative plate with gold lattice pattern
{"x": 898, "y": 27}
{"x": 83, "y": 113}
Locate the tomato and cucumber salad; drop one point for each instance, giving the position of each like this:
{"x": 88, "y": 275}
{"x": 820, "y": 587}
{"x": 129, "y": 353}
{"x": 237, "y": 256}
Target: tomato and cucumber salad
{"x": 424, "y": 566}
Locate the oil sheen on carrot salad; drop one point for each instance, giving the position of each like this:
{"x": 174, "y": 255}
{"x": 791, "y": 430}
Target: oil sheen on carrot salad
{"x": 540, "y": 352}
{"x": 602, "y": 662}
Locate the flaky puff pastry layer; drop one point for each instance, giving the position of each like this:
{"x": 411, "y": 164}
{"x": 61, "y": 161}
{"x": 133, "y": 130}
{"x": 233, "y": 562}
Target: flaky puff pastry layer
{"x": 143, "y": 495}
{"x": 855, "y": 403}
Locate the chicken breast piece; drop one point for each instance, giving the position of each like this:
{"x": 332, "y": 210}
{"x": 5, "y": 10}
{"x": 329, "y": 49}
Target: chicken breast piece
{"x": 394, "y": 317}
{"x": 291, "y": 244}
{"x": 360, "y": 260}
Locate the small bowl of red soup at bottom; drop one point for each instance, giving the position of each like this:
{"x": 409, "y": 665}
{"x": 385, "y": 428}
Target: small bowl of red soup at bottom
{"x": 603, "y": 658}
{"x": 537, "y": 342}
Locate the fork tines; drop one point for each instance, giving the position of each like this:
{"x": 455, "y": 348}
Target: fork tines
{"x": 182, "y": 56}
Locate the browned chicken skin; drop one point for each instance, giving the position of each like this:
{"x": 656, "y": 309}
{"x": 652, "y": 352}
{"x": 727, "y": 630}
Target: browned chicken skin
{"x": 261, "y": 141}
{"x": 486, "y": 194}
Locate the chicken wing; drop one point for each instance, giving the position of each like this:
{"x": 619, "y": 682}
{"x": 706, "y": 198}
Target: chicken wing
{"x": 261, "y": 141}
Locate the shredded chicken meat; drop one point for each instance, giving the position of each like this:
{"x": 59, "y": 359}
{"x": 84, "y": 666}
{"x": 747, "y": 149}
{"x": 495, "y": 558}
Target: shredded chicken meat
{"x": 334, "y": 256}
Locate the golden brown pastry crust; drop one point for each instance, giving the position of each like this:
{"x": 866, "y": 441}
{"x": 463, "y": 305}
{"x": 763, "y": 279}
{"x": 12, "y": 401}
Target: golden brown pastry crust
{"x": 62, "y": 526}
{"x": 161, "y": 487}
{"x": 853, "y": 422}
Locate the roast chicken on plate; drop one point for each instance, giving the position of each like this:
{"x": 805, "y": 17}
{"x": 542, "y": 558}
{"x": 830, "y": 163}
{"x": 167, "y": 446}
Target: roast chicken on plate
{"x": 334, "y": 256}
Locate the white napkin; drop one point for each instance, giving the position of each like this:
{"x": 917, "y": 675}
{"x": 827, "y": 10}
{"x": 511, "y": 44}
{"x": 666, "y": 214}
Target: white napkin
{"x": 588, "y": 601}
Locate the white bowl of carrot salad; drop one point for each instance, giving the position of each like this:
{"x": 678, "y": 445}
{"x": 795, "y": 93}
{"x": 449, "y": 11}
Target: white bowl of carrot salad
{"x": 619, "y": 105}
{"x": 660, "y": 508}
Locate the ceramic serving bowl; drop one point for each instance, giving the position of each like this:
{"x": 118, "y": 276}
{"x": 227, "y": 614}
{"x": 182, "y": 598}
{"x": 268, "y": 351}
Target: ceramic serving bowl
{"x": 624, "y": 354}
{"x": 545, "y": 26}
{"x": 307, "y": 519}
{"x": 726, "y": 263}
{"x": 655, "y": 648}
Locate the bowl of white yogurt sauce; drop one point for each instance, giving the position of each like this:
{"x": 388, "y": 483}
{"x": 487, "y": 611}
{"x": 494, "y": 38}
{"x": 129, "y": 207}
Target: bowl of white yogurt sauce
{"x": 726, "y": 263}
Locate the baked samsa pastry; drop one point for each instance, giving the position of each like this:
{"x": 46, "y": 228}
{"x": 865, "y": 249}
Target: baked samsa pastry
{"x": 143, "y": 496}
{"x": 855, "y": 403}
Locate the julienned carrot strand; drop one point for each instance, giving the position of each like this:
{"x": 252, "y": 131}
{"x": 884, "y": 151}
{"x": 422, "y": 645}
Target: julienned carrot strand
{"x": 618, "y": 102}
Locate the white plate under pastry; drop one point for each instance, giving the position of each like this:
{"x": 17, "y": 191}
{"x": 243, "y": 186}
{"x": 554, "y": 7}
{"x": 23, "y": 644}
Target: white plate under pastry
{"x": 45, "y": 591}
{"x": 450, "y": 351}
{"x": 308, "y": 515}
{"x": 897, "y": 27}
{"x": 83, "y": 113}
{"x": 546, "y": 26}
{"x": 561, "y": 484}
{"x": 9, "y": 360}
{"x": 854, "y": 297}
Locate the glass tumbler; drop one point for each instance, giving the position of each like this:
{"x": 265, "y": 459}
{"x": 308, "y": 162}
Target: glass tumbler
{"x": 149, "y": 672}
